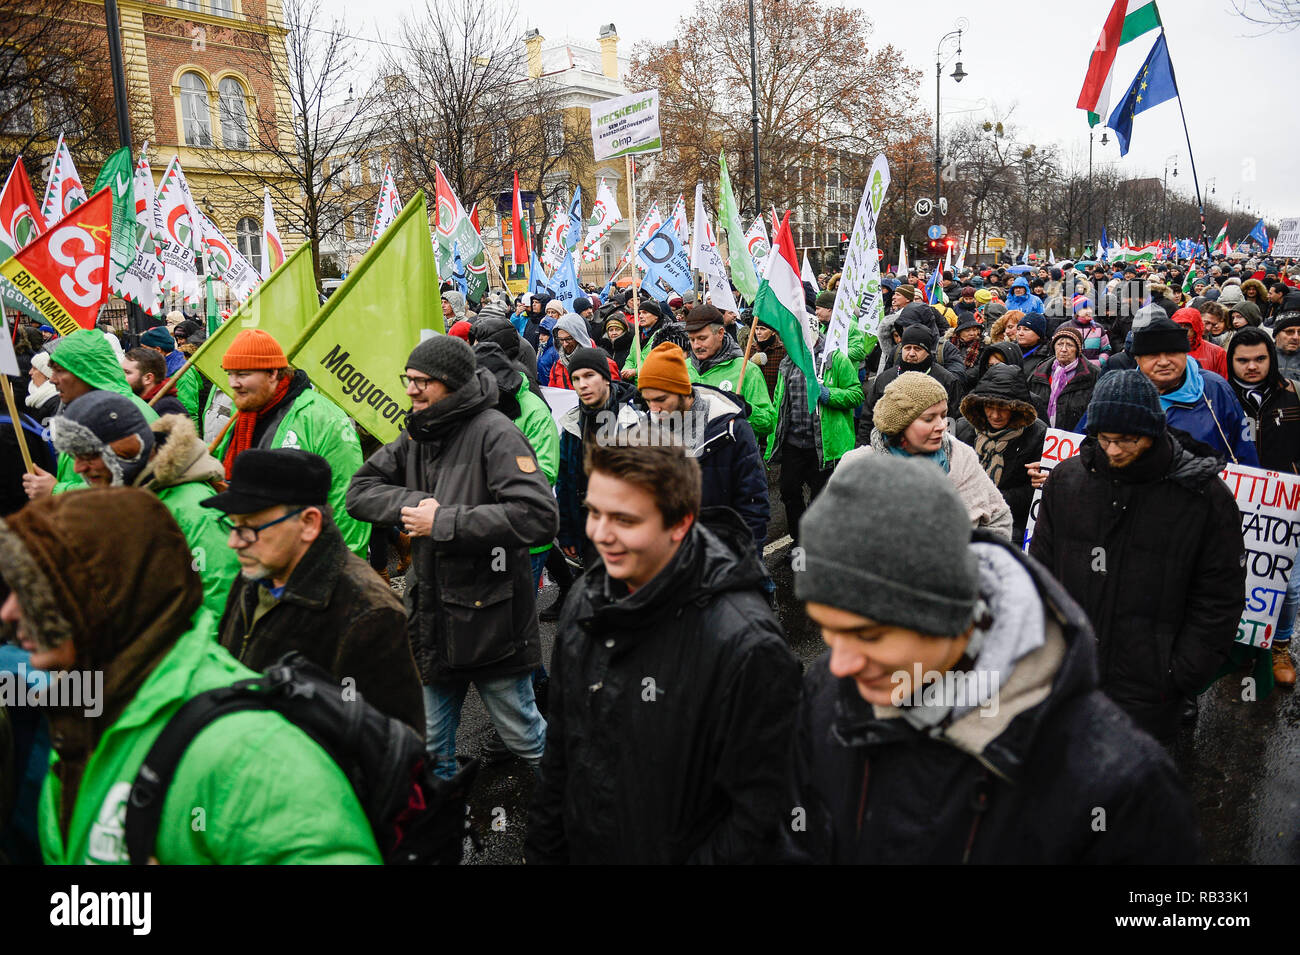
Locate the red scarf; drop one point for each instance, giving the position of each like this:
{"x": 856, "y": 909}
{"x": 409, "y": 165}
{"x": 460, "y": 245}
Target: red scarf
{"x": 246, "y": 423}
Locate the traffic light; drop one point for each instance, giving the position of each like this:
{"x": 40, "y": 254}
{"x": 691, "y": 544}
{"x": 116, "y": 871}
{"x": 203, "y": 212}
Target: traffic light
{"x": 937, "y": 246}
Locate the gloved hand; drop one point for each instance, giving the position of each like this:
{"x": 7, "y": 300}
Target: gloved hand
{"x": 759, "y": 358}
{"x": 825, "y": 396}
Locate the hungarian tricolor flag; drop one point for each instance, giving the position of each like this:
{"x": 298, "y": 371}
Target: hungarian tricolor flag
{"x": 64, "y": 273}
{"x": 1220, "y": 243}
{"x": 1128, "y": 20}
{"x": 519, "y": 252}
{"x": 780, "y": 303}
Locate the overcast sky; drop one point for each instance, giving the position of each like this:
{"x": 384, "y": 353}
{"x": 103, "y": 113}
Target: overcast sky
{"x": 1238, "y": 88}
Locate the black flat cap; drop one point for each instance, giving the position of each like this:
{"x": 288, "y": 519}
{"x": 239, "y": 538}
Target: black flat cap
{"x": 264, "y": 478}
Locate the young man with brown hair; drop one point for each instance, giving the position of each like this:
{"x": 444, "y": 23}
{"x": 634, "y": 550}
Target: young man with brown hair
{"x": 673, "y": 692}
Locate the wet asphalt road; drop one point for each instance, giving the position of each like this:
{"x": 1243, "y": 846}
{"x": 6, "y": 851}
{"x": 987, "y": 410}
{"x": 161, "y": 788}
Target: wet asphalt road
{"x": 1241, "y": 760}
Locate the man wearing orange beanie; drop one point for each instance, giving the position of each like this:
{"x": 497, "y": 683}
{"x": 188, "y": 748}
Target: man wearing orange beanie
{"x": 276, "y": 408}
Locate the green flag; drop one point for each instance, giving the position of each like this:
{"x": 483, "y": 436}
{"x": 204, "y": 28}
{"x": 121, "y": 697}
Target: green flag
{"x": 1190, "y": 280}
{"x": 283, "y": 306}
{"x": 742, "y": 266}
{"x": 119, "y": 174}
{"x": 356, "y": 347}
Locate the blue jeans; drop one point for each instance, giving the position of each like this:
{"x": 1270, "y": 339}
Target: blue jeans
{"x": 1290, "y": 605}
{"x": 509, "y": 702}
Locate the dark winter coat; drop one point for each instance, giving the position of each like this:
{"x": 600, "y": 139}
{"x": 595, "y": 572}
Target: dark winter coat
{"x": 571, "y": 483}
{"x": 1153, "y": 554}
{"x": 340, "y": 615}
{"x": 1024, "y": 790}
{"x": 1073, "y": 400}
{"x": 955, "y": 387}
{"x": 1006, "y": 385}
{"x": 670, "y": 713}
{"x": 732, "y": 473}
{"x": 1277, "y": 420}
{"x": 468, "y": 616}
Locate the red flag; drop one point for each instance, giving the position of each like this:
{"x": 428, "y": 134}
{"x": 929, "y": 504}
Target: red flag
{"x": 64, "y": 273}
{"x": 519, "y": 254}
{"x": 473, "y": 218}
{"x": 21, "y": 222}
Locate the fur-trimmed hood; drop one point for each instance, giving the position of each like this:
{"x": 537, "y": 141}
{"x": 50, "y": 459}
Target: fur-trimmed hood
{"x": 1004, "y": 384}
{"x": 181, "y": 458}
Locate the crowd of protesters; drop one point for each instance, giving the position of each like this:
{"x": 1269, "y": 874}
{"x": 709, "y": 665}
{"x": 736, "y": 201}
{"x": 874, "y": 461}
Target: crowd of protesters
{"x": 983, "y": 690}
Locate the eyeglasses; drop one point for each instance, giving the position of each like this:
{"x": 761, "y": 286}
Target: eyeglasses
{"x": 420, "y": 383}
{"x": 248, "y": 533}
{"x": 1126, "y": 443}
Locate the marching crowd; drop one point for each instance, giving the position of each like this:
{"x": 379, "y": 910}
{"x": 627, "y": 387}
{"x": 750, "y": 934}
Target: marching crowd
{"x": 976, "y": 703}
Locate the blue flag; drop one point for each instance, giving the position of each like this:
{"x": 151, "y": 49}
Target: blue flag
{"x": 565, "y": 282}
{"x": 573, "y": 238}
{"x": 538, "y": 281}
{"x": 1153, "y": 85}
{"x": 1105, "y": 245}
{"x": 668, "y": 264}
{"x": 1259, "y": 234}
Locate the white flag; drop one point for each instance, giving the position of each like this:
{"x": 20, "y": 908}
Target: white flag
{"x": 142, "y": 281}
{"x": 388, "y": 206}
{"x": 858, "y": 302}
{"x": 63, "y": 190}
{"x": 226, "y": 262}
{"x": 757, "y": 245}
{"x": 679, "y": 222}
{"x": 707, "y": 260}
{"x": 806, "y": 274}
{"x": 961, "y": 256}
{"x": 604, "y": 216}
{"x": 553, "y": 240}
{"x": 175, "y": 223}
{"x": 902, "y": 258}
{"x": 272, "y": 247}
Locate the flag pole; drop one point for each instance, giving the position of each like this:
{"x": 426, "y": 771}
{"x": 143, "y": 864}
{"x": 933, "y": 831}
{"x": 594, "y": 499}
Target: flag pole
{"x": 1196, "y": 183}
{"x": 19, "y": 431}
{"x": 636, "y": 282}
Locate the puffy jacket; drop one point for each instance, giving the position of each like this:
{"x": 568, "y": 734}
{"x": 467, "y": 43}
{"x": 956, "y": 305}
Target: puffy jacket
{"x": 1019, "y": 786}
{"x": 1072, "y": 402}
{"x": 1209, "y": 355}
{"x": 1154, "y": 555}
{"x": 340, "y": 615}
{"x": 89, "y": 356}
{"x": 183, "y": 475}
{"x": 311, "y": 422}
{"x": 695, "y": 771}
{"x": 837, "y": 433}
{"x": 1005, "y": 385}
{"x": 731, "y": 468}
{"x": 1025, "y": 302}
{"x": 723, "y": 375}
{"x": 467, "y": 618}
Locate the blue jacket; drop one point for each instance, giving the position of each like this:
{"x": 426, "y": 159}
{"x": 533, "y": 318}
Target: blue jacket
{"x": 1216, "y": 416}
{"x": 732, "y": 472}
{"x": 1025, "y": 302}
{"x": 549, "y": 355}
{"x": 571, "y": 482}
{"x": 175, "y": 359}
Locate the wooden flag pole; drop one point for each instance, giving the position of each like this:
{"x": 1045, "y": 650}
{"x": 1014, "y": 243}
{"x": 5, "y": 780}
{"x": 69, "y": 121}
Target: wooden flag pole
{"x": 212, "y": 448}
{"x": 18, "y": 424}
{"x": 170, "y": 383}
{"x": 749, "y": 348}
{"x": 636, "y": 279}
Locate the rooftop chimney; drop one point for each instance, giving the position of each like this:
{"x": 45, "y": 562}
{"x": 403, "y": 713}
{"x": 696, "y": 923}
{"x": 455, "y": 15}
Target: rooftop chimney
{"x": 609, "y": 51}
{"x": 533, "y": 42}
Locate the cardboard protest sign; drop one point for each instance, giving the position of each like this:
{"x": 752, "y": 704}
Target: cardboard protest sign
{"x": 1270, "y": 529}
{"x": 1058, "y": 445}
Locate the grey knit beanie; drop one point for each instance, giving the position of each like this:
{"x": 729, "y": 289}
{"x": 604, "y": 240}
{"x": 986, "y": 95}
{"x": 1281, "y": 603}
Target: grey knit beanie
{"x": 850, "y": 536}
{"x": 93, "y": 422}
{"x": 1125, "y": 402}
{"x": 446, "y": 358}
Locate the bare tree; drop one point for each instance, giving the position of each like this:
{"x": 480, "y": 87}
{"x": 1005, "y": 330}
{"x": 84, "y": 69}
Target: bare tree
{"x": 462, "y": 101}
{"x": 307, "y": 143}
{"x": 1282, "y": 15}
{"x": 54, "y": 78}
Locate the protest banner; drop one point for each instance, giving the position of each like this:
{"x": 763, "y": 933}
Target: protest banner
{"x": 1270, "y": 529}
{"x": 626, "y": 125}
{"x": 1287, "y": 243}
{"x": 356, "y": 347}
{"x": 858, "y": 299}
{"x": 1058, "y": 445}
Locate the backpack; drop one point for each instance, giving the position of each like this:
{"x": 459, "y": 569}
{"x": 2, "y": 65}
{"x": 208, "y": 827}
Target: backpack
{"x": 417, "y": 818}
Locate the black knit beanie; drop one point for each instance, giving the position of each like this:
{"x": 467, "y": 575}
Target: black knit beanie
{"x": 1161, "y": 334}
{"x": 594, "y": 359}
{"x": 445, "y": 357}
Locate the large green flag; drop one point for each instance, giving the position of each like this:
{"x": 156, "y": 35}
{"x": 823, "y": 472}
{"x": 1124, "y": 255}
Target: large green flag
{"x": 119, "y": 174}
{"x": 742, "y": 266}
{"x": 356, "y": 347}
{"x": 283, "y": 305}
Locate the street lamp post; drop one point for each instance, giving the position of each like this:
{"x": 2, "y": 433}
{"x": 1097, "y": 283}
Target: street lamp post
{"x": 1104, "y": 140}
{"x": 958, "y": 74}
{"x": 1165, "y": 214}
{"x": 753, "y": 85}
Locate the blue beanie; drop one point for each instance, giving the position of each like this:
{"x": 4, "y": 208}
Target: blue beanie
{"x": 1125, "y": 402}
{"x": 1036, "y": 323}
{"x": 158, "y": 337}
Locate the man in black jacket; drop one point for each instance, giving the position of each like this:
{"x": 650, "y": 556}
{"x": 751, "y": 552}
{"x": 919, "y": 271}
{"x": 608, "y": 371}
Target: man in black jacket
{"x": 915, "y": 353}
{"x": 673, "y": 693}
{"x": 464, "y": 483}
{"x": 956, "y": 716}
{"x": 1147, "y": 538}
{"x": 300, "y": 588}
{"x": 712, "y": 426}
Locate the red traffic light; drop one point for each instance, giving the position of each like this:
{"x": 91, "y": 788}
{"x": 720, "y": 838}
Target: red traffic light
{"x": 952, "y": 243}
{"x": 937, "y": 246}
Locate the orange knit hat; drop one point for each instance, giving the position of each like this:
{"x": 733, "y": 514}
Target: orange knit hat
{"x": 665, "y": 368}
{"x": 254, "y": 350}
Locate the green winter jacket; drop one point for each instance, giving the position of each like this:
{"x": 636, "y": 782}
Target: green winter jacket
{"x": 89, "y": 356}
{"x": 538, "y": 425}
{"x": 838, "y": 432}
{"x": 313, "y": 423}
{"x": 251, "y": 789}
{"x": 182, "y": 473}
{"x": 723, "y": 376}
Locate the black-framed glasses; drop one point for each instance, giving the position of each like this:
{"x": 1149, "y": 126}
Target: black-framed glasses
{"x": 248, "y": 533}
{"x": 420, "y": 383}
{"x": 1125, "y": 442}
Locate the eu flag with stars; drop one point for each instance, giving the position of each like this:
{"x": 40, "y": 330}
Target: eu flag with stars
{"x": 1153, "y": 85}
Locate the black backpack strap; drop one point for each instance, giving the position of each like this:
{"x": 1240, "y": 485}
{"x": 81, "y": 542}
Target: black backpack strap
{"x": 149, "y": 792}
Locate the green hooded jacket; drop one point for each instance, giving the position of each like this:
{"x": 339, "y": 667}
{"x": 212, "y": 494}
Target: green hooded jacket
{"x": 723, "y": 376}
{"x": 838, "y": 432}
{"x": 251, "y": 789}
{"x": 89, "y": 356}
{"x": 538, "y": 425}
{"x": 313, "y": 423}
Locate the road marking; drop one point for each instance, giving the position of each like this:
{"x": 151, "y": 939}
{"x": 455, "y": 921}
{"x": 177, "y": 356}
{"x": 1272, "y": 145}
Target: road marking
{"x": 776, "y": 545}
